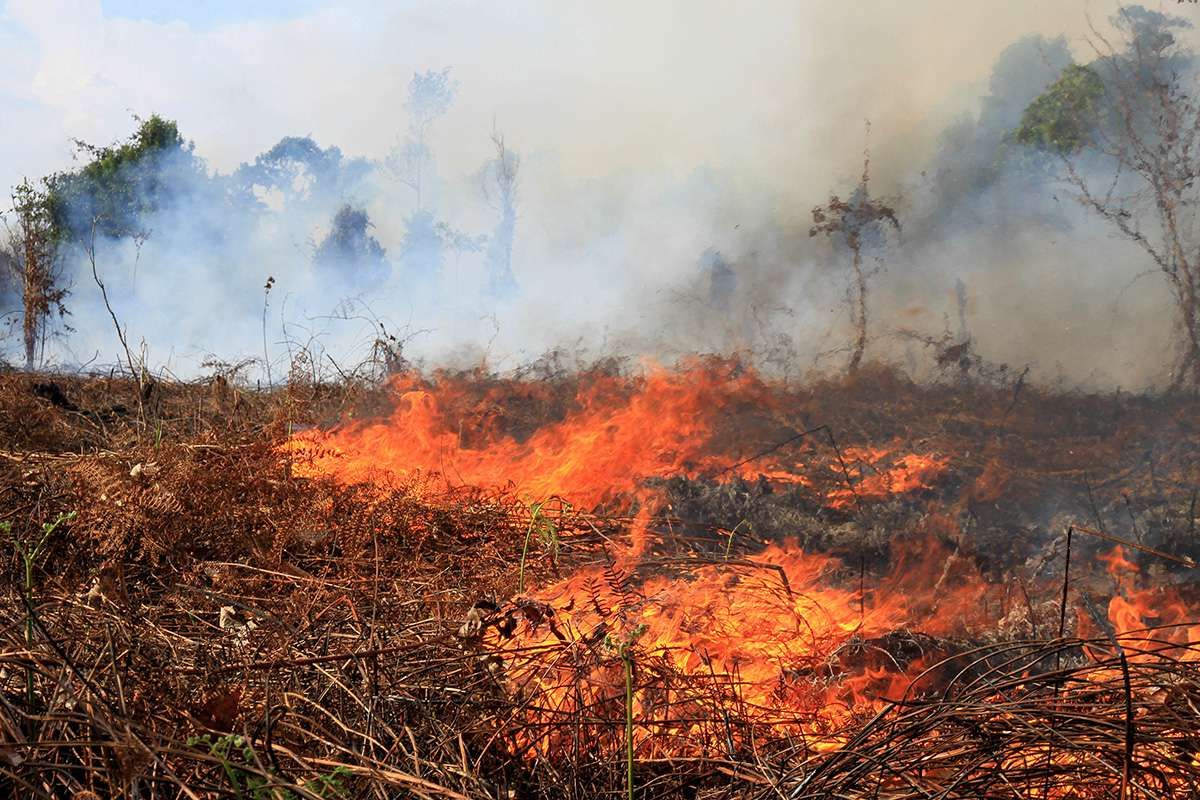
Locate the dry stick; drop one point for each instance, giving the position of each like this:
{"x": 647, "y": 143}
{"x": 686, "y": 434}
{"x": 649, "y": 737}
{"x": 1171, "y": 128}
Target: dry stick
{"x": 862, "y": 591}
{"x": 738, "y": 562}
{"x": 374, "y": 660}
{"x": 721, "y": 706}
{"x": 845, "y": 472}
{"x": 266, "y": 354}
{"x": 627, "y": 657}
{"x": 1092, "y": 501}
{"x": 134, "y": 373}
{"x": 1062, "y": 608}
{"x": 300, "y": 662}
{"x": 1062, "y": 629}
{"x": 1192, "y": 516}
{"x": 778, "y": 446}
{"x": 1017, "y": 387}
{"x": 1132, "y": 518}
{"x": 1108, "y": 537}
{"x": 100, "y": 695}
{"x": 1029, "y": 607}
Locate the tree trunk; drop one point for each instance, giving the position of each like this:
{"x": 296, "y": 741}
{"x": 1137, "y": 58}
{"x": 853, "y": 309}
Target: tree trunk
{"x": 32, "y": 298}
{"x": 1189, "y": 368}
{"x": 860, "y": 322}
{"x": 1187, "y": 304}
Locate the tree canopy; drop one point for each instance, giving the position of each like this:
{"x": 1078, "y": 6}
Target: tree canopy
{"x": 122, "y": 184}
{"x": 349, "y": 246}
{"x": 1064, "y": 117}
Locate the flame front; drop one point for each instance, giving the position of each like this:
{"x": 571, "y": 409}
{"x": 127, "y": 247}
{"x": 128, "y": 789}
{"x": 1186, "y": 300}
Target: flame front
{"x": 706, "y": 653}
{"x": 617, "y": 433}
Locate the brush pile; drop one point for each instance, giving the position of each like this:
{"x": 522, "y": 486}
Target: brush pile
{"x": 693, "y": 584}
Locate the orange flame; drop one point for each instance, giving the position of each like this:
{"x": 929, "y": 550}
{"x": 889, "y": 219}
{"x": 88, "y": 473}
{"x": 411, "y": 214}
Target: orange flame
{"x": 618, "y": 433}
{"x": 785, "y": 635}
{"x": 774, "y": 634}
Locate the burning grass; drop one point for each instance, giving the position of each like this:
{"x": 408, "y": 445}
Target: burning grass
{"x": 689, "y": 583}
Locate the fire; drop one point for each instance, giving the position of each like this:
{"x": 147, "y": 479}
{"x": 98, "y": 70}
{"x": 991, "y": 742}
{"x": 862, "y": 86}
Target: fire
{"x": 782, "y": 641}
{"x": 617, "y": 434}
{"x": 875, "y": 481}
{"x": 1147, "y": 620}
{"x": 779, "y": 636}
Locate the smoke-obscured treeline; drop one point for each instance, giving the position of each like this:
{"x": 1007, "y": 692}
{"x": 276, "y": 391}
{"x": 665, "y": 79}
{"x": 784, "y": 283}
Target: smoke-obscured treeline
{"x": 1050, "y": 234}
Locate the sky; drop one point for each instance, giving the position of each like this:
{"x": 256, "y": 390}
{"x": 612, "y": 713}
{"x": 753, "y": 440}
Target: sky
{"x": 205, "y": 14}
{"x": 761, "y": 87}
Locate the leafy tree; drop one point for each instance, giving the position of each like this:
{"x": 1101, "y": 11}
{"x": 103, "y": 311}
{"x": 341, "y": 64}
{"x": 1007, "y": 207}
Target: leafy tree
{"x": 33, "y": 258}
{"x": 301, "y": 169}
{"x": 123, "y": 184}
{"x": 422, "y": 250}
{"x": 1124, "y": 132}
{"x": 974, "y": 158}
{"x": 1063, "y": 119}
{"x": 349, "y": 247}
{"x": 857, "y": 223}
{"x": 1023, "y": 71}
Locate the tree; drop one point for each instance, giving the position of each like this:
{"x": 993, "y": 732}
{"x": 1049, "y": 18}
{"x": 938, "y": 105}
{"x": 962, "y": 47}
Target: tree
{"x": 977, "y": 178}
{"x": 301, "y": 170}
{"x": 350, "y": 247}
{"x": 33, "y": 257}
{"x": 429, "y": 97}
{"x": 722, "y": 279}
{"x": 500, "y": 184}
{"x": 421, "y": 250}
{"x": 122, "y": 184}
{"x": 1064, "y": 117}
{"x": 1123, "y": 131}
{"x": 857, "y": 223}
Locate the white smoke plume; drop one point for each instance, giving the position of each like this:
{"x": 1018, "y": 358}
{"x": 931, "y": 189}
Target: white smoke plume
{"x": 657, "y": 143}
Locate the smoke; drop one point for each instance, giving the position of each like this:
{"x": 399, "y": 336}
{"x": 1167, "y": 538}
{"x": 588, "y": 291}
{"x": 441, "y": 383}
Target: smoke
{"x": 650, "y": 141}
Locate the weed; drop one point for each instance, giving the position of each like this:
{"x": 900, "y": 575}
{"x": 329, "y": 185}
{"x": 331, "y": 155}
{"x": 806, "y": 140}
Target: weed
{"x": 29, "y": 551}
{"x": 547, "y": 534}
{"x": 237, "y": 759}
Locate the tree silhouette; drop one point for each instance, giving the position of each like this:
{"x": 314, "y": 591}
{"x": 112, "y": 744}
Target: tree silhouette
{"x": 500, "y": 184}
{"x": 856, "y": 222}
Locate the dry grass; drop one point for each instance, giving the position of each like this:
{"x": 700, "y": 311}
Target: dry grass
{"x": 203, "y": 591}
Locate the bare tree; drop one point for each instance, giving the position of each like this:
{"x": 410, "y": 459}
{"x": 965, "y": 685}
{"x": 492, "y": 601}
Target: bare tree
{"x": 500, "y": 181}
{"x": 429, "y": 96}
{"x": 1124, "y": 131}
{"x": 34, "y": 258}
{"x": 857, "y": 222}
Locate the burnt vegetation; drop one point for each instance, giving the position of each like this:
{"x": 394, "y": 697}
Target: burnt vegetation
{"x": 201, "y": 619}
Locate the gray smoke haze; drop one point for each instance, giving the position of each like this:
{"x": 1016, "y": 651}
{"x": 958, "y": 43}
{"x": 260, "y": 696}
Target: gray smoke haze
{"x": 664, "y": 150}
